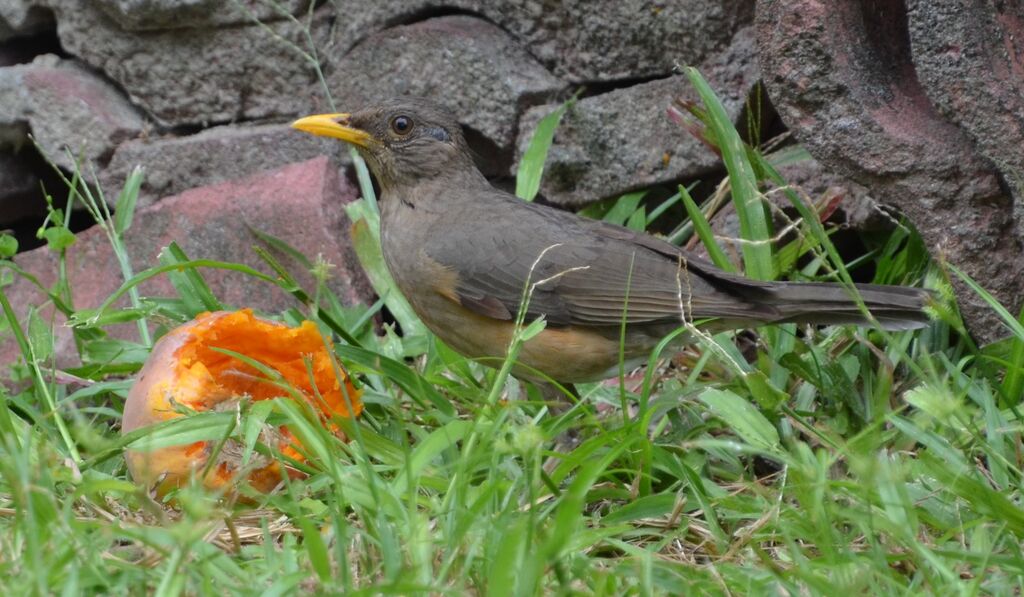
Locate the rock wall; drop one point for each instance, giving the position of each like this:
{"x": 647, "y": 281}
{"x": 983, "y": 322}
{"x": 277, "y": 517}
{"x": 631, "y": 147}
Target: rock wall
{"x": 197, "y": 91}
{"x": 200, "y": 93}
{"x": 923, "y": 103}
{"x": 921, "y": 109}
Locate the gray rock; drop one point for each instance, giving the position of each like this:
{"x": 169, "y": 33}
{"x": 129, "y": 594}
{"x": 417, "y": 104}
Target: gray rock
{"x": 466, "y": 64}
{"x": 65, "y": 106}
{"x": 622, "y": 140}
{"x": 600, "y": 40}
{"x": 136, "y": 15}
{"x": 194, "y": 76}
{"x": 174, "y": 164}
{"x": 22, "y": 17}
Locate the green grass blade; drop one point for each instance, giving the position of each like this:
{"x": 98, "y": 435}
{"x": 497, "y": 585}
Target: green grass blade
{"x": 704, "y": 232}
{"x": 754, "y": 224}
{"x": 430, "y": 448}
{"x": 624, "y": 208}
{"x": 743, "y": 418}
{"x": 188, "y": 282}
{"x": 178, "y": 266}
{"x": 280, "y": 245}
{"x": 184, "y": 430}
{"x": 368, "y": 251}
{"x": 662, "y": 207}
{"x": 1013, "y": 383}
{"x": 418, "y": 388}
{"x": 41, "y": 385}
{"x": 531, "y": 166}
{"x": 124, "y": 208}
{"x": 292, "y": 287}
{"x": 316, "y": 549}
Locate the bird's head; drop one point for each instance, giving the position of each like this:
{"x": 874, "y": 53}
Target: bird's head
{"x": 403, "y": 140}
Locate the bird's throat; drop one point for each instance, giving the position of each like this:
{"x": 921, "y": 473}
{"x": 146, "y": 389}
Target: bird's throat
{"x": 439, "y": 195}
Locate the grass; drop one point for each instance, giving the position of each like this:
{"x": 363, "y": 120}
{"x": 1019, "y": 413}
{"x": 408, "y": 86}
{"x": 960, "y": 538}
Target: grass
{"x": 782, "y": 461}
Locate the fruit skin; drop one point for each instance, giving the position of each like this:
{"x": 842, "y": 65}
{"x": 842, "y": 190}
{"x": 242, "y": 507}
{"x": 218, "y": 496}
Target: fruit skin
{"x": 184, "y": 372}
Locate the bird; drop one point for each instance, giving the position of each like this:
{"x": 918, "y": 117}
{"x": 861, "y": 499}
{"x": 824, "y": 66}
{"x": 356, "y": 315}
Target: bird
{"x": 468, "y": 256}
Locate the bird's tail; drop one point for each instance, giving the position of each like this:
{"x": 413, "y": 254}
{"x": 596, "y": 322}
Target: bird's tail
{"x": 893, "y": 307}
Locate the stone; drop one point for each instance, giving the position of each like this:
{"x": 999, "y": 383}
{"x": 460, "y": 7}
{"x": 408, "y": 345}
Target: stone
{"x": 622, "y": 140}
{"x": 843, "y": 80}
{"x": 65, "y": 106}
{"x": 202, "y": 76}
{"x": 599, "y": 40}
{"x": 302, "y": 204}
{"x": 174, "y": 164}
{"x": 19, "y": 18}
{"x": 973, "y": 70}
{"x": 624, "y": 39}
{"x": 136, "y": 15}
{"x": 470, "y": 66}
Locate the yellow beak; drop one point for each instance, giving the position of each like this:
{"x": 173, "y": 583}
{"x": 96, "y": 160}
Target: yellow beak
{"x": 333, "y": 125}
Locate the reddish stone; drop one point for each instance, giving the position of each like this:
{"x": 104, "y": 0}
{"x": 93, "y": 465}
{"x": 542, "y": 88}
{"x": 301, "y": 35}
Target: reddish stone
{"x": 301, "y": 204}
{"x": 973, "y": 69}
{"x": 842, "y": 78}
{"x": 175, "y": 164}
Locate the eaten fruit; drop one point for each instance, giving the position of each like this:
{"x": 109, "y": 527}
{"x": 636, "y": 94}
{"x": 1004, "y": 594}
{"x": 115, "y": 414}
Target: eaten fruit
{"x": 185, "y": 372}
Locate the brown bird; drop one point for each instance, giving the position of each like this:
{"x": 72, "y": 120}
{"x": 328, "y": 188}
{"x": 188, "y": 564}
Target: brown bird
{"x": 462, "y": 252}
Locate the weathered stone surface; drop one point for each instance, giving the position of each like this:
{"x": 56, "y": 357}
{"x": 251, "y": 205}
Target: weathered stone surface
{"x": 173, "y": 14}
{"x": 973, "y": 69}
{"x": 464, "y": 63}
{"x": 194, "y": 76}
{"x": 301, "y": 204}
{"x": 841, "y": 77}
{"x": 22, "y": 17}
{"x": 64, "y": 105}
{"x": 600, "y": 40}
{"x": 174, "y": 164}
{"x": 622, "y": 140}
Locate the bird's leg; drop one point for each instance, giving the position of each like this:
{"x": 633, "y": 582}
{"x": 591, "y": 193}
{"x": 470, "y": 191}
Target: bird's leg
{"x": 560, "y": 398}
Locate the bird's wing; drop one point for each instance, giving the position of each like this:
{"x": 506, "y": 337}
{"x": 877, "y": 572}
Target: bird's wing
{"x": 582, "y": 272}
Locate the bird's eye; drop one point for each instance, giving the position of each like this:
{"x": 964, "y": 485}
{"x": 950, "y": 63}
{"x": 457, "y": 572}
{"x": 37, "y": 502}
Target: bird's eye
{"x": 401, "y": 124}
